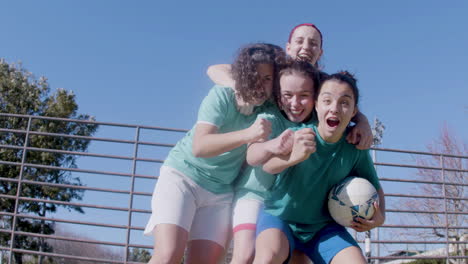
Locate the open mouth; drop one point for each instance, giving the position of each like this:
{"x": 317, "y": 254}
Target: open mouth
{"x": 333, "y": 122}
{"x": 295, "y": 113}
{"x": 305, "y": 57}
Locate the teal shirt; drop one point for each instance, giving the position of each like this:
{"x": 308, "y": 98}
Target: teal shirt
{"x": 299, "y": 196}
{"x": 215, "y": 174}
{"x": 254, "y": 182}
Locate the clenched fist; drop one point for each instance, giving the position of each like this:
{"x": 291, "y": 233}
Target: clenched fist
{"x": 304, "y": 145}
{"x": 282, "y": 144}
{"x": 259, "y": 130}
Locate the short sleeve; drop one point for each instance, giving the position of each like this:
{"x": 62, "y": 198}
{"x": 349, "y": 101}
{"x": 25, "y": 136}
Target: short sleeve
{"x": 215, "y": 107}
{"x": 365, "y": 168}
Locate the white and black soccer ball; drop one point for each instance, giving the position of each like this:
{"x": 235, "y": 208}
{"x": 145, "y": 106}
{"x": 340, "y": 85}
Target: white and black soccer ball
{"x": 352, "y": 198}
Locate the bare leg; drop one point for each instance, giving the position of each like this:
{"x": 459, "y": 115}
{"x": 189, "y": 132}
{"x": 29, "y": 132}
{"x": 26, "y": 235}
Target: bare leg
{"x": 244, "y": 247}
{"x": 272, "y": 246}
{"x": 169, "y": 244}
{"x": 204, "y": 251}
{"x": 349, "y": 255}
{"x": 298, "y": 257}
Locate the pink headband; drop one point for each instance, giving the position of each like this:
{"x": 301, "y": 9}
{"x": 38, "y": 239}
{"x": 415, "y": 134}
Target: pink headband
{"x": 306, "y": 24}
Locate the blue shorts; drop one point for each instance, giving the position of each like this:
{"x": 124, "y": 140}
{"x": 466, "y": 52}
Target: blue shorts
{"x": 320, "y": 249}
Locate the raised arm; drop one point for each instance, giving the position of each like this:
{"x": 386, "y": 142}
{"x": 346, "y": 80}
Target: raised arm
{"x": 207, "y": 142}
{"x": 258, "y": 153}
{"x": 221, "y": 74}
{"x": 304, "y": 145}
{"x": 361, "y": 134}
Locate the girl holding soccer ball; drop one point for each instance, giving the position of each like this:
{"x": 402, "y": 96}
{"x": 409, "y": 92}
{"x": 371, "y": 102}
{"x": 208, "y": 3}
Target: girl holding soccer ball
{"x": 295, "y": 214}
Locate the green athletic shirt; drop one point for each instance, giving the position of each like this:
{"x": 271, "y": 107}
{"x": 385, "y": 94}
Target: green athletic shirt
{"x": 215, "y": 174}
{"x": 254, "y": 182}
{"x": 300, "y": 193}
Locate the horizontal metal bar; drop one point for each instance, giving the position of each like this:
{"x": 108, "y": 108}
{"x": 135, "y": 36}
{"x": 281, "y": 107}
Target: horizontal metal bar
{"x": 76, "y": 204}
{"x": 80, "y": 187}
{"x": 84, "y": 154}
{"x": 422, "y": 226}
{"x": 66, "y": 203}
{"x": 95, "y": 122}
{"x": 421, "y": 257}
{"x": 72, "y": 221}
{"x": 423, "y": 196}
{"x": 79, "y": 170}
{"x": 421, "y": 242}
{"x": 69, "y": 186}
{"x": 71, "y": 239}
{"x": 419, "y": 152}
{"x": 387, "y": 210}
{"x": 423, "y": 182}
{"x": 31, "y": 252}
{"x": 113, "y": 140}
{"x": 416, "y": 167}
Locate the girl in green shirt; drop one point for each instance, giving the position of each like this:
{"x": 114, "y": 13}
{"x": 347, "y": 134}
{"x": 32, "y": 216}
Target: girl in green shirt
{"x": 296, "y": 215}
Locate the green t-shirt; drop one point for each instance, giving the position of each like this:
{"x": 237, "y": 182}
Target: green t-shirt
{"x": 254, "y": 182}
{"x": 299, "y": 195}
{"x": 215, "y": 174}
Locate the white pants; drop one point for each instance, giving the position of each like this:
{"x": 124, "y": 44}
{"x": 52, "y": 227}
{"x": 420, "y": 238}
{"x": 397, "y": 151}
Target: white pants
{"x": 245, "y": 214}
{"x": 178, "y": 200}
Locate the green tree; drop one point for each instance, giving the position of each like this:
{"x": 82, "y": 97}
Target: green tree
{"x": 377, "y": 132}
{"x": 22, "y": 93}
{"x": 139, "y": 255}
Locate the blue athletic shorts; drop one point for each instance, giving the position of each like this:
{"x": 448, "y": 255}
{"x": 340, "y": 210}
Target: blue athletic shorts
{"x": 320, "y": 249}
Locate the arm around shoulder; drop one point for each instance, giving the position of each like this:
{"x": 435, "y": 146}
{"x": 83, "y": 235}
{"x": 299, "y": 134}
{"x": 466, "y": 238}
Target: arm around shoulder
{"x": 361, "y": 134}
{"x": 221, "y": 74}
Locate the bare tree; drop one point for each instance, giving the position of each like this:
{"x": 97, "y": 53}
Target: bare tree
{"x": 453, "y": 163}
{"x": 80, "y": 249}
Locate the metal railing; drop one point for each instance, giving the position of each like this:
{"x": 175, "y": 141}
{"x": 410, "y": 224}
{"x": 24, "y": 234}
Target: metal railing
{"x": 120, "y": 169}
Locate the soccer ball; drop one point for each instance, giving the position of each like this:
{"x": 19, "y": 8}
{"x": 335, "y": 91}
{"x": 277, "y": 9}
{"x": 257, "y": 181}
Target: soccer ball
{"x": 353, "y": 197}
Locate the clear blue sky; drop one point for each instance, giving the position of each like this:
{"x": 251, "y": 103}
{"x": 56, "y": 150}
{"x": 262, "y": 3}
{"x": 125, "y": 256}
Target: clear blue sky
{"x": 144, "y": 62}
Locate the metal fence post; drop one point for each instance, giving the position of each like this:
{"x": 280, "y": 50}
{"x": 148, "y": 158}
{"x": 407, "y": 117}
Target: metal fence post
{"x": 18, "y": 190}
{"x": 132, "y": 189}
{"x": 444, "y": 193}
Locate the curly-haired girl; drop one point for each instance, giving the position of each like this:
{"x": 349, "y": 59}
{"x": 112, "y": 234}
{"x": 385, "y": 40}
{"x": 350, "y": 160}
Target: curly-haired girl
{"x": 191, "y": 203}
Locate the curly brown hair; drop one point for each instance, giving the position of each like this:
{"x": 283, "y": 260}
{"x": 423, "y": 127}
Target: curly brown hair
{"x": 244, "y": 69}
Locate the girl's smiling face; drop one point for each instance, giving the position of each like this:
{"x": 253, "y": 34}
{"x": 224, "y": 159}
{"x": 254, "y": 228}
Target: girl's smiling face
{"x": 296, "y": 97}
{"x": 305, "y": 44}
{"x": 335, "y": 106}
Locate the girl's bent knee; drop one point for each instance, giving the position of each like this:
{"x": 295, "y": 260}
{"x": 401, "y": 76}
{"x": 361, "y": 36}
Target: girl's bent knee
{"x": 242, "y": 258}
{"x": 166, "y": 258}
{"x": 270, "y": 258}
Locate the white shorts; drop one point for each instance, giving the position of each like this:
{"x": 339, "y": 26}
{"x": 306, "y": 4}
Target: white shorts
{"x": 178, "y": 200}
{"x": 245, "y": 214}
